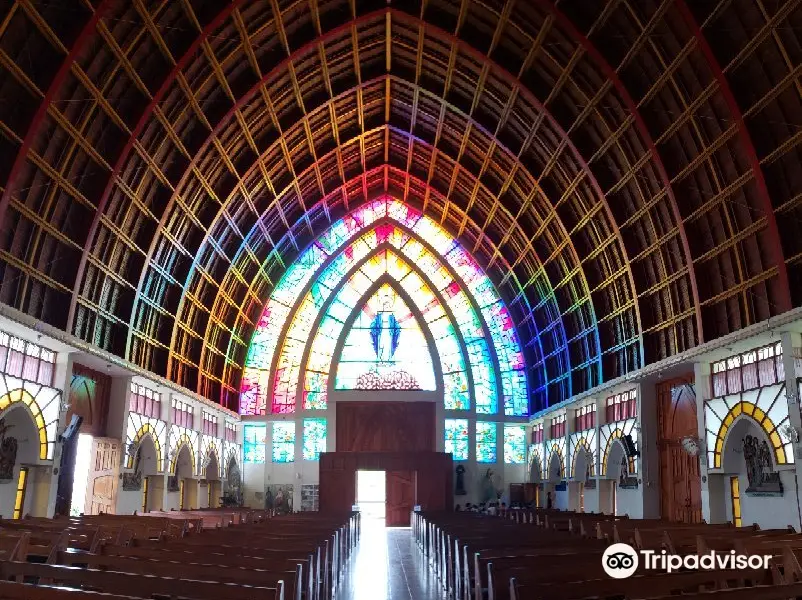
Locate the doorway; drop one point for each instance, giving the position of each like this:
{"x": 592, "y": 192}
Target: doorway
{"x": 371, "y": 496}
{"x": 680, "y": 480}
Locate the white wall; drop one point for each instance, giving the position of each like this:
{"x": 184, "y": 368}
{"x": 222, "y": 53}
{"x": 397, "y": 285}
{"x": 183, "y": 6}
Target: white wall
{"x": 630, "y": 502}
{"x": 254, "y": 479}
{"x": 769, "y": 512}
{"x": 128, "y": 502}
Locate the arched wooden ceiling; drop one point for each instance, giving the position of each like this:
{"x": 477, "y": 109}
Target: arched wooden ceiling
{"x": 628, "y": 172}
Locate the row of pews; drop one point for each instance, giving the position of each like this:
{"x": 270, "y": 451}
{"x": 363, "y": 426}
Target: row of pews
{"x": 214, "y": 554}
{"x": 557, "y": 555}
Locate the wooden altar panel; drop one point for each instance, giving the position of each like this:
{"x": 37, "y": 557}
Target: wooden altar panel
{"x": 433, "y": 475}
{"x": 384, "y": 426}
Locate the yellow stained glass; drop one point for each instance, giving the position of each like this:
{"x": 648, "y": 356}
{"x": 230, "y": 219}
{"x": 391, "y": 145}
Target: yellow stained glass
{"x": 22, "y": 484}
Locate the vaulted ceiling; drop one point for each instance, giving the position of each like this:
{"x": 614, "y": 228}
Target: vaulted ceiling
{"x": 627, "y": 172}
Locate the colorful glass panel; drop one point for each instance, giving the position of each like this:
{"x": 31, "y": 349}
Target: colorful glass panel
{"x": 268, "y": 338}
{"x": 314, "y": 438}
{"x": 447, "y": 345}
{"x": 457, "y": 438}
{"x": 514, "y": 444}
{"x": 283, "y": 441}
{"x": 254, "y": 443}
{"x": 385, "y": 348}
{"x": 485, "y": 442}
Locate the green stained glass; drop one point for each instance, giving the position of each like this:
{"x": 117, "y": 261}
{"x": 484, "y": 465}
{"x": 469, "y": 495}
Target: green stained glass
{"x": 283, "y": 441}
{"x": 314, "y": 438}
{"x": 485, "y": 442}
{"x": 254, "y": 443}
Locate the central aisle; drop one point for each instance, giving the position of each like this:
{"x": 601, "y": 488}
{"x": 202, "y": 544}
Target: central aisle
{"x": 388, "y": 566}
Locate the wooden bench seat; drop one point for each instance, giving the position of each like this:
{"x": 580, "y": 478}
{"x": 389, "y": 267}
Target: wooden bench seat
{"x": 134, "y": 585}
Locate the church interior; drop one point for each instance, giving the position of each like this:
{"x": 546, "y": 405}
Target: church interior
{"x": 400, "y": 299}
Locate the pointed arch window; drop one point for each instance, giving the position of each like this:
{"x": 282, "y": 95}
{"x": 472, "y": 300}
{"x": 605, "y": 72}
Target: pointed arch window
{"x": 385, "y": 348}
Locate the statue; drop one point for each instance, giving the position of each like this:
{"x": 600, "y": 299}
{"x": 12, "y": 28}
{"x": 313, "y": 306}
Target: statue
{"x": 489, "y": 491}
{"x": 460, "y": 485}
{"x": 8, "y": 452}
{"x": 385, "y": 331}
{"x": 133, "y": 481}
{"x": 232, "y": 495}
{"x": 590, "y": 483}
{"x": 625, "y": 480}
{"x": 763, "y": 479}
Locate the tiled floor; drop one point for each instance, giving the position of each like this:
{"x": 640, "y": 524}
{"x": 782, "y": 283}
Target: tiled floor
{"x": 388, "y": 566}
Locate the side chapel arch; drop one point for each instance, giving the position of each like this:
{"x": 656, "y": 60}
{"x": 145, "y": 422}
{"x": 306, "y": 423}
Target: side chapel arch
{"x": 614, "y": 452}
{"x": 556, "y": 464}
{"x": 43, "y": 413}
{"x": 583, "y": 463}
{"x": 146, "y": 434}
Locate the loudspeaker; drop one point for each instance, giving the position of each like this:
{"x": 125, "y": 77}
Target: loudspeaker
{"x": 72, "y": 429}
{"x": 629, "y": 446}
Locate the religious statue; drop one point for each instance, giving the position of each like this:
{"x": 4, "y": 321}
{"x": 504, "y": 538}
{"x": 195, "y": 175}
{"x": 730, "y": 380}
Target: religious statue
{"x": 625, "y": 480}
{"x": 232, "y": 496}
{"x": 133, "y": 481}
{"x": 590, "y": 483}
{"x": 460, "y": 485}
{"x": 8, "y": 452}
{"x": 385, "y": 332}
{"x": 489, "y": 491}
{"x": 763, "y": 479}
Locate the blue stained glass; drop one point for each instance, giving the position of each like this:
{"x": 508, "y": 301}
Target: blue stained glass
{"x": 254, "y": 443}
{"x": 457, "y": 438}
{"x": 485, "y": 442}
{"x": 283, "y": 441}
{"x": 314, "y": 438}
{"x": 514, "y": 444}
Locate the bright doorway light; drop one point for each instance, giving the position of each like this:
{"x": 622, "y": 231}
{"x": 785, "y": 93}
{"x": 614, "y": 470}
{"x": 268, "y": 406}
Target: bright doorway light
{"x": 371, "y": 495}
{"x": 80, "y": 476}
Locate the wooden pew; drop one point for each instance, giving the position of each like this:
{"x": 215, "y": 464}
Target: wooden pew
{"x": 135, "y": 585}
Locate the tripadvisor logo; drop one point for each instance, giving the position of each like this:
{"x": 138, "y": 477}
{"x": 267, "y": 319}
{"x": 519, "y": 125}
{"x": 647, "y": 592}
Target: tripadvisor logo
{"x": 621, "y": 561}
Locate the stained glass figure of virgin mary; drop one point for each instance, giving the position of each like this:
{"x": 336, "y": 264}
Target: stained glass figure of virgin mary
{"x": 385, "y": 348}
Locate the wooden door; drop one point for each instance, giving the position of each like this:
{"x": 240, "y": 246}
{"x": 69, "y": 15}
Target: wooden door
{"x": 400, "y": 488}
{"x": 102, "y": 481}
{"x": 680, "y": 480}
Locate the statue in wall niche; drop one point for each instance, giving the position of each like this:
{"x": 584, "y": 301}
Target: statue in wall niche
{"x": 8, "y": 453}
{"x": 625, "y": 481}
{"x": 133, "y": 481}
{"x": 490, "y": 487}
{"x": 233, "y": 492}
{"x": 763, "y": 479}
{"x": 590, "y": 483}
{"x": 459, "y": 487}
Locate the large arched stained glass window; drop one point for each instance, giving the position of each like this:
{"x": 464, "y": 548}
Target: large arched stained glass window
{"x": 274, "y": 366}
{"x": 385, "y": 348}
{"x": 388, "y": 264}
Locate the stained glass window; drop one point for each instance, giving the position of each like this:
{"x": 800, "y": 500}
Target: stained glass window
{"x": 314, "y": 438}
{"x": 514, "y": 444}
{"x": 385, "y": 348}
{"x": 447, "y": 345}
{"x": 448, "y": 269}
{"x": 457, "y": 438}
{"x": 283, "y": 441}
{"x": 254, "y": 442}
{"x": 485, "y": 442}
